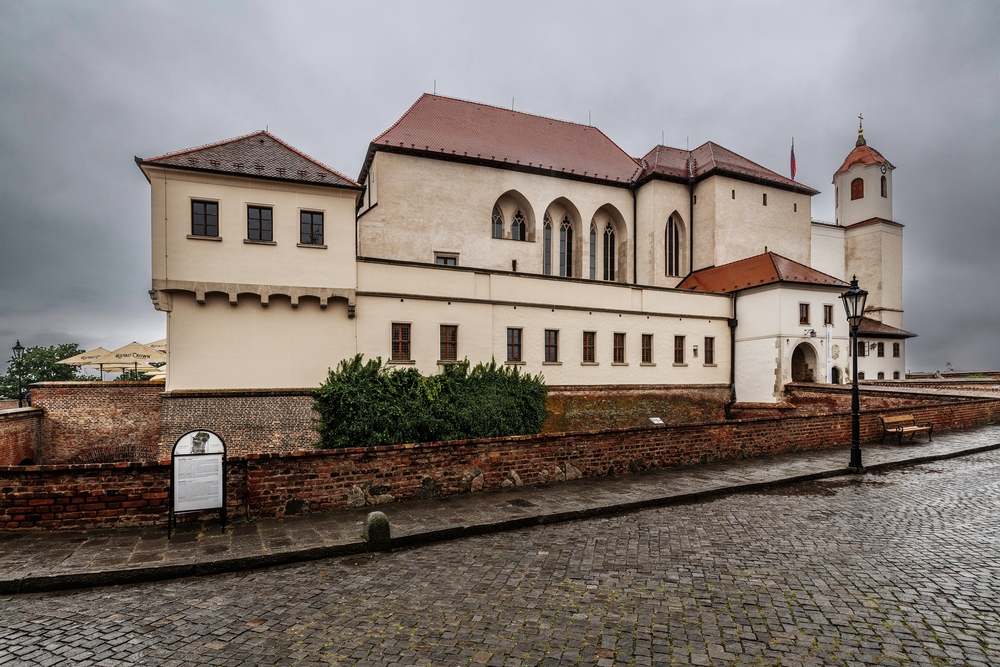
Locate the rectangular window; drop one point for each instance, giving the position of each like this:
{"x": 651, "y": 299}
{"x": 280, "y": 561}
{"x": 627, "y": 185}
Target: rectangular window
{"x": 259, "y": 226}
{"x": 449, "y": 342}
{"x": 881, "y": 349}
{"x": 446, "y": 259}
{"x": 551, "y": 345}
{"x": 803, "y": 313}
{"x": 861, "y": 375}
{"x": 795, "y": 208}
{"x": 589, "y": 345}
{"x": 881, "y": 375}
{"x": 310, "y": 228}
{"x": 895, "y": 375}
{"x": 678, "y": 349}
{"x": 765, "y": 199}
{"x": 895, "y": 351}
{"x": 647, "y": 348}
{"x": 827, "y": 314}
{"x": 862, "y": 351}
{"x": 400, "y": 342}
{"x": 513, "y": 344}
{"x": 619, "y": 348}
{"x": 709, "y": 350}
{"x": 204, "y": 218}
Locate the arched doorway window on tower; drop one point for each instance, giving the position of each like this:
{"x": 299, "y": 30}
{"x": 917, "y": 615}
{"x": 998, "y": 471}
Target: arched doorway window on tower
{"x": 857, "y": 189}
{"x": 673, "y": 249}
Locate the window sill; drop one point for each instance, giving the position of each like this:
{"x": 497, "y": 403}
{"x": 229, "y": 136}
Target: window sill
{"x": 506, "y": 238}
{"x": 256, "y": 242}
{"x": 620, "y": 363}
{"x": 401, "y": 361}
{"x": 590, "y": 363}
{"x": 195, "y": 237}
{"x": 515, "y": 363}
{"x": 310, "y": 245}
{"x": 711, "y": 365}
{"x": 551, "y": 363}
{"x": 681, "y": 365}
{"x": 447, "y": 362}
{"x": 648, "y": 364}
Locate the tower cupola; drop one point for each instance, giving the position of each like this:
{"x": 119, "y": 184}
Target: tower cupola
{"x": 863, "y": 184}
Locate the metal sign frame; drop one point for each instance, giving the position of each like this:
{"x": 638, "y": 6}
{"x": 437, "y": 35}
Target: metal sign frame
{"x": 172, "y": 515}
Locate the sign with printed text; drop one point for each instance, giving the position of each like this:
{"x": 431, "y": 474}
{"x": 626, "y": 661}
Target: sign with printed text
{"x": 198, "y": 472}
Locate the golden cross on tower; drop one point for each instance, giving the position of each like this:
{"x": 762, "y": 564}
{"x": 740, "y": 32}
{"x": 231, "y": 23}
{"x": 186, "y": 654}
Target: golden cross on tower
{"x": 861, "y": 137}
{"x": 860, "y": 120}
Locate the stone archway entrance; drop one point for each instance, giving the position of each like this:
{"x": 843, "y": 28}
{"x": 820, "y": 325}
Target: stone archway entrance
{"x": 804, "y": 363}
{"x": 835, "y": 375}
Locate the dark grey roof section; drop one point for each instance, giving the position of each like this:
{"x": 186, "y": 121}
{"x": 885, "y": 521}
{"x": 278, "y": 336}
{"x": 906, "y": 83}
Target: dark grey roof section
{"x": 260, "y": 154}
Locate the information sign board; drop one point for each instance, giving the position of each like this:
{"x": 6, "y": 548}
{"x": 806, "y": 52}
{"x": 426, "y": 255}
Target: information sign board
{"x": 197, "y": 475}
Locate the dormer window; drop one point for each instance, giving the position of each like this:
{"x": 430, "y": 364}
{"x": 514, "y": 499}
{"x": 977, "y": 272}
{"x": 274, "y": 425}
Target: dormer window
{"x": 857, "y": 189}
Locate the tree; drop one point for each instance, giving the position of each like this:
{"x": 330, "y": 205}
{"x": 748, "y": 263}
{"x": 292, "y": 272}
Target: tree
{"x": 39, "y": 365}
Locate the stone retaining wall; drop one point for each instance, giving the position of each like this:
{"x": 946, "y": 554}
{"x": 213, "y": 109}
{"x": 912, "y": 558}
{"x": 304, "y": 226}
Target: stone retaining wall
{"x": 20, "y": 433}
{"x": 277, "y": 485}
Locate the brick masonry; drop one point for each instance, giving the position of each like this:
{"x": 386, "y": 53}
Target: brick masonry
{"x": 98, "y": 421}
{"x": 20, "y": 434}
{"x": 277, "y": 485}
{"x": 583, "y": 408}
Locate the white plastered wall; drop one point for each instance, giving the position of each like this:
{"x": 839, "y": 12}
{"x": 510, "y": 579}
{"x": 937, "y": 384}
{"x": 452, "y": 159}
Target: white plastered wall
{"x": 872, "y": 364}
{"x": 874, "y": 253}
{"x": 828, "y": 249}
{"x": 873, "y": 204}
{"x": 656, "y": 201}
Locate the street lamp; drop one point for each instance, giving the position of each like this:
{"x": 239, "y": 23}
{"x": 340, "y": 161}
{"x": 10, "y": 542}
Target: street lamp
{"x": 854, "y": 303}
{"x": 18, "y": 358}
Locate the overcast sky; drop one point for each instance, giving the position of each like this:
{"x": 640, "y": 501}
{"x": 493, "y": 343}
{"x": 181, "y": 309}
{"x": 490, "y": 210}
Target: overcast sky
{"x": 85, "y": 86}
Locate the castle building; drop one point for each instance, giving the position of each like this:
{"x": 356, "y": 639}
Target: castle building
{"x": 476, "y": 232}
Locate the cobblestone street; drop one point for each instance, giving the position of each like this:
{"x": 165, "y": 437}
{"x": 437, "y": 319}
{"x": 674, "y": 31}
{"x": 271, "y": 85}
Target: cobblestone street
{"x": 887, "y": 569}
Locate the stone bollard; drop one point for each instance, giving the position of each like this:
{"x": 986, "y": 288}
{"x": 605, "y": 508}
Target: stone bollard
{"x": 377, "y": 533}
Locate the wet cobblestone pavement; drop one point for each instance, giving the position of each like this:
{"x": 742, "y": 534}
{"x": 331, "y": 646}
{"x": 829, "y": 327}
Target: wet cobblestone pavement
{"x": 897, "y": 568}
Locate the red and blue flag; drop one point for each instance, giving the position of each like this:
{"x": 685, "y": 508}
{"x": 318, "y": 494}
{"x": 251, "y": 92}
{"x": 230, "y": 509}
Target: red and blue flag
{"x": 791, "y": 160}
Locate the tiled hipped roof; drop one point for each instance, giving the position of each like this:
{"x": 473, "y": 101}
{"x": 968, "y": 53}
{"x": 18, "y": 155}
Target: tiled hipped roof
{"x": 471, "y": 132}
{"x": 711, "y": 159}
{"x": 875, "y": 329}
{"x": 863, "y": 155}
{"x": 259, "y": 154}
{"x": 756, "y": 271}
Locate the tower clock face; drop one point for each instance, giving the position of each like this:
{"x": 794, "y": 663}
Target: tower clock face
{"x": 883, "y": 169}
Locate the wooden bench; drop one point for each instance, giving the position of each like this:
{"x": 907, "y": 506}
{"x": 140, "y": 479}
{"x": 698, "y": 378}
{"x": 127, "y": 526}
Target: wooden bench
{"x": 904, "y": 425}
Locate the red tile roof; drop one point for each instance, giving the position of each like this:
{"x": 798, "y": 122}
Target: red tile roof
{"x": 756, "y": 271}
{"x": 875, "y": 329}
{"x": 469, "y": 131}
{"x": 863, "y": 154}
{"x": 711, "y": 159}
{"x": 259, "y": 154}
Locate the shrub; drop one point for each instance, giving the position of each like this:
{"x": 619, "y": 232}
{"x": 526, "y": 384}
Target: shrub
{"x": 364, "y": 404}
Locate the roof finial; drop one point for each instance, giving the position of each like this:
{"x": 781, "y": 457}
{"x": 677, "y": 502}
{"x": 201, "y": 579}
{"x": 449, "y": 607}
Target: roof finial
{"x": 861, "y": 135}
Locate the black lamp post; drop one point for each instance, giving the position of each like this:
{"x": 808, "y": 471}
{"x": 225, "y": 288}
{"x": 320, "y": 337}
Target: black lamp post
{"x": 854, "y": 303}
{"x": 18, "y": 358}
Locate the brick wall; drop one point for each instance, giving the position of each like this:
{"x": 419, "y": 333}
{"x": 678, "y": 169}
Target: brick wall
{"x": 276, "y": 485}
{"x": 583, "y": 408}
{"x": 98, "y": 421}
{"x": 8, "y": 403}
{"x": 249, "y": 421}
{"x": 810, "y": 398}
{"x": 20, "y": 433}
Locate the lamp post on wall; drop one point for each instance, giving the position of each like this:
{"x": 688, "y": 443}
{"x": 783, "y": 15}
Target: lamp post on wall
{"x": 18, "y": 358}
{"x": 854, "y": 303}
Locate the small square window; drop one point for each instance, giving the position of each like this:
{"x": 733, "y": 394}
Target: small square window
{"x": 619, "y": 348}
{"x": 647, "y": 348}
{"x": 551, "y": 345}
{"x": 803, "y": 313}
{"x": 400, "y": 342}
{"x": 259, "y": 224}
{"x": 446, "y": 259}
{"x": 514, "y": 344}
{"x": 827, "y": 314}
{"x": 589, "y": 347}
{"x": 310, "y": 228}
{"x": 204, "y": 218}
{"x": 449, "y": 342}
{"x": 678, "y": 349}
{"x": 709, "y": 350}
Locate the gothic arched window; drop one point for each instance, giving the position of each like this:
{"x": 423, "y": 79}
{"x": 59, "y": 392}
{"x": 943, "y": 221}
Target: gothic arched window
{"x": 857, "y": 189}
{"x": 566, "y": 248}
{"x": 593, "y": 251}
{"x": 497, "y": 223}
{"x": 547, "y": 247}
{"x": 673, "y": 248}
{"x": 885, "y": 187}
{"x": 609, "y": 252}
{"x": 518, "y": 228}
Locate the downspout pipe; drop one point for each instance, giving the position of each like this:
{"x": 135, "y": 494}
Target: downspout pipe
{"x": 733, "y": 323}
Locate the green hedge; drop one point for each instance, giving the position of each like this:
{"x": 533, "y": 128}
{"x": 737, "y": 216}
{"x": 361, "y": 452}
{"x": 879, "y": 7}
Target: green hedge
{"x": 363, "y": 404}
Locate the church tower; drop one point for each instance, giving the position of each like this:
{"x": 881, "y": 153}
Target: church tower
{"x": 873, "y": 240}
